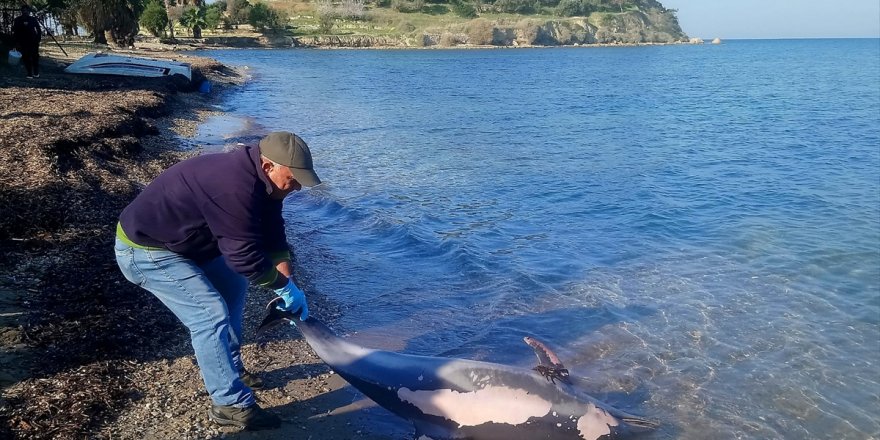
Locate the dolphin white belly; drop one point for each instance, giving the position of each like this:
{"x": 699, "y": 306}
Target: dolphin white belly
{"x": 447, "y": 398}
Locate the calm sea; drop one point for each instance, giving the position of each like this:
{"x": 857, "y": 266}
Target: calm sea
{"x": 696, "y": 226}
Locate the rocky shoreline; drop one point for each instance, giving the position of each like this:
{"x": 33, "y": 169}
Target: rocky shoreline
{"x": 85, "y": 354}
{"x": 506, "y": 39}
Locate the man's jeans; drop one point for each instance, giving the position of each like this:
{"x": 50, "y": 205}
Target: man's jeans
{"x": 209, "y": 299}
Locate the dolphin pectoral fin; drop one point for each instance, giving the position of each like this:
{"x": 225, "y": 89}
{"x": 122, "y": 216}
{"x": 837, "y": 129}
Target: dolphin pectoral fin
{"x": 269, "y": 322}
{"x": 549, "y": 364}
{"x": 274, "y": 317}
{"x": 358, "y": 405}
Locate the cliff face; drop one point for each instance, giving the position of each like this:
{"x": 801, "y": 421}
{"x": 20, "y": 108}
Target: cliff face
{"x": 651, "y": 26}
{"x": 654, "y": 25}
{"x": 633, "y": 27}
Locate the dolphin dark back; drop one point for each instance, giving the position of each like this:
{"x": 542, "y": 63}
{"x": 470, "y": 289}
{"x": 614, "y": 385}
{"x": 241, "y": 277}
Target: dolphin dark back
{"x": 448, "y": 398}
{"x": 333, "y": 350}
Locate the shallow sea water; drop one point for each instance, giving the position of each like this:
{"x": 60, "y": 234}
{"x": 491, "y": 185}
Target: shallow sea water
{"x": 696, "y": 229}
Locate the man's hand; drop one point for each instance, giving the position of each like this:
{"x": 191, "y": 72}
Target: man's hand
{"x": 294, "y": 300}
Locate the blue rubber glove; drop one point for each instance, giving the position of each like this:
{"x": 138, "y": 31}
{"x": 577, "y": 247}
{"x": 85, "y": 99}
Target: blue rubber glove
{"x": 294, "y": 300}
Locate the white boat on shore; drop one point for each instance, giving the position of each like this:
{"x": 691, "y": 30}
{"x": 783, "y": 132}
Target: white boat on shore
{"x": 112, "y": 64}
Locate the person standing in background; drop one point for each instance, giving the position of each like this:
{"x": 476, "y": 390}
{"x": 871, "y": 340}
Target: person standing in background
{"x": 27, "y": 35}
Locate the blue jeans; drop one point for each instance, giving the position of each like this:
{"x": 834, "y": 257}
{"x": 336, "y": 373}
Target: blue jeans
{"x": 208, "y": 299}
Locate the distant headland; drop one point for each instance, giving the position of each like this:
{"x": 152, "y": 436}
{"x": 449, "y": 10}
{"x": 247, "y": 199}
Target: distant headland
{"x": 363, "y": 23}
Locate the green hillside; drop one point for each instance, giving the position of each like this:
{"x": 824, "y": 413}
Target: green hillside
{"x": 367, "y": 23}
{"x": 476, "y": 22}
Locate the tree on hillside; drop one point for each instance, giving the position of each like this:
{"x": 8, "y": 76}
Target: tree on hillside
{"x": 63, "y": 11}
{"x": 619, "y": 3}
{"x": 575, "y": 8}
{"x": 262, "y": 17}
{"x": 155, "y": 19}
{"x": 194, "y": 18}
{"x": 168, "y": 5}
{"x": 214, "y": 15}
{"x": 119, "y": 17}
{"x": 645, "y": 5}
{"x": 68, "y": 21}
{"x": 524, "y": 7}
{"x": 50, "y": 6}
{"x": 464, "y": 8}
{"x": 238, "y": 11}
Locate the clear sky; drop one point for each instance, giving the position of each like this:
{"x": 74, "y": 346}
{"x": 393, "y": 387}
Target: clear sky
{"x": 778, "y": 18}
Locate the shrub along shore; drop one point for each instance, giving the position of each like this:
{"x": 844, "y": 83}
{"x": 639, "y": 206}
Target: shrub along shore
{"x": 85, "y": 354}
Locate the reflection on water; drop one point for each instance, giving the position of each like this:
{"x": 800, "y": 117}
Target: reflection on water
{"x": 225, "y": 131}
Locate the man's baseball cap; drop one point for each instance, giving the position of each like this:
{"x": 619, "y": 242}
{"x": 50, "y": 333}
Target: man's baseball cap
{"x": 288, "y": 149}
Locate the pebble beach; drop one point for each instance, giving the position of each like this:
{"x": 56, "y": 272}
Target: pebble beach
{"x": 85, "y": 353}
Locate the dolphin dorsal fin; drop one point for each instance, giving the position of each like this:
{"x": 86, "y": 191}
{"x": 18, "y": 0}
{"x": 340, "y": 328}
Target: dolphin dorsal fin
{"x": 546, "y": 357}
{"x": 549, "y": 364}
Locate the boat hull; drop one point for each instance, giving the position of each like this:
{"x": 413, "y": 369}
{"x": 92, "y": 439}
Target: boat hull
{"x": 110, "y": 64}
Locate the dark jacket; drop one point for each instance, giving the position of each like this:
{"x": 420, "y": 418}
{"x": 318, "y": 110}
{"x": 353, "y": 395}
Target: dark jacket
{"x": 26, "y": 31}
{"x": 210, "y": 205}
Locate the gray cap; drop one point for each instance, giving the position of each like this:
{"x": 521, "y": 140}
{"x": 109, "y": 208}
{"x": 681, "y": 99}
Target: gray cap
{"x": 288, "y": 149}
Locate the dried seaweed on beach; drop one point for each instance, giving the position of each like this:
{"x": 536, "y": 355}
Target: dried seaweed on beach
{"x": 73, "y": 152}
{"x": 87, "y": 354}
{"x": 69, "y": 404}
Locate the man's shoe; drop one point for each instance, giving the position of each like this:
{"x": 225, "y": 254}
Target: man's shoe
{"x": 252, "y": 418}
{"x": 36, "y": 75}
{"x": 252, "y": 381}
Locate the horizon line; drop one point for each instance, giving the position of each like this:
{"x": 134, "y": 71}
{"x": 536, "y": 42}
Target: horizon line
{"x": 790, "y": 38}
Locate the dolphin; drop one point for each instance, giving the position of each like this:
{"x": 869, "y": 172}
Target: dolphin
{"x": 456, "y": 399}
